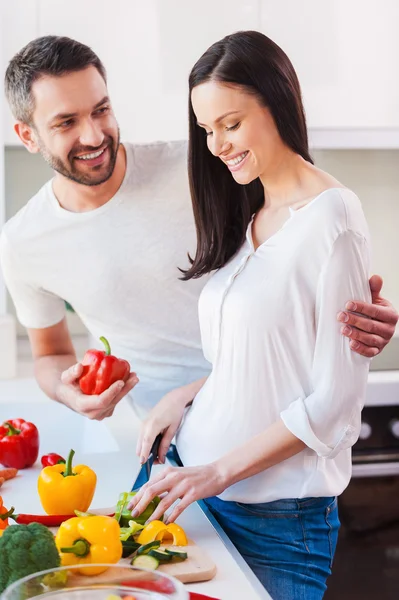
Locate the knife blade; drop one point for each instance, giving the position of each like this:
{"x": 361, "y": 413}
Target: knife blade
{"x": 144, "y": 473}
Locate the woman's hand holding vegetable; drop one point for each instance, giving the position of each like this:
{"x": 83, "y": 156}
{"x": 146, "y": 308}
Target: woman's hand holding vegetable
{"x": 190, "y": 484}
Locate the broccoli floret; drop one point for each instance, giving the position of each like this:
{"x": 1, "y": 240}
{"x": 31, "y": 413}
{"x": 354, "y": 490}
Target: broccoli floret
{"x": 26, "y": 549}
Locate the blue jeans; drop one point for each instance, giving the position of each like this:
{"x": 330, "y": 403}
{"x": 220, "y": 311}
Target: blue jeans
{"x": 289, "y": 544}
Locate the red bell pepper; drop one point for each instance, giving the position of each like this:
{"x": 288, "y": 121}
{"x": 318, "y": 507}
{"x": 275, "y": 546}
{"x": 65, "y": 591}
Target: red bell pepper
{"x": 19, "y": 444}
{"x": 49, "y": 460}
{"x": 101, "y": 370}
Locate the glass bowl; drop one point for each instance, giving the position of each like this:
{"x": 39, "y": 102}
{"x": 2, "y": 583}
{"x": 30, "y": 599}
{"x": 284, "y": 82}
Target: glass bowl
{"x": 118, "y": 581}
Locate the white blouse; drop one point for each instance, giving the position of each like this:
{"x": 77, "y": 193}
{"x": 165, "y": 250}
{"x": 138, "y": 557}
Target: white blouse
{"x": 269, "y": 328}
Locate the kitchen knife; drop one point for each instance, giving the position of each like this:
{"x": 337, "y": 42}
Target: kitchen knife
{"x": 145, "y": 469}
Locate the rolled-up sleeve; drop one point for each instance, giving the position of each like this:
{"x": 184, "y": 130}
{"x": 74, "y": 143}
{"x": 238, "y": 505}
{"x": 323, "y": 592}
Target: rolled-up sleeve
{"x": 328, "y": 420}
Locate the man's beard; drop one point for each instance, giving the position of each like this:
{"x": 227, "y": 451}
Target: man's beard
{"x": 68, "y": 168}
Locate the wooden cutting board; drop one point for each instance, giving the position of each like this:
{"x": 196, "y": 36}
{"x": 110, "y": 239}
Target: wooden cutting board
{"x": 197, "y": 567}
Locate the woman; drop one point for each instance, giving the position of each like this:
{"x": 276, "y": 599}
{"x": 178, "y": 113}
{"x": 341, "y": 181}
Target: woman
{"x": 267, "y": 439}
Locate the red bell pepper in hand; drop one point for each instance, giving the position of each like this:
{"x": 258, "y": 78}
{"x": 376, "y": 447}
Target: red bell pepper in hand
{"x": 19, "y": 444}
{"x": 48, "y": 460}
{"x": 101, "y": 370}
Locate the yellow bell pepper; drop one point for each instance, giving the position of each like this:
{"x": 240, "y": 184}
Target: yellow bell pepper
{"x": 64, "y": 489}
{"x": 88, "y": 540}
{"x": 156, "y": 530}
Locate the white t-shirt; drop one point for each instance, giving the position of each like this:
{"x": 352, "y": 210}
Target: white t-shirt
{"x": 117, "y": 266}
{"x": 269, "y": 328}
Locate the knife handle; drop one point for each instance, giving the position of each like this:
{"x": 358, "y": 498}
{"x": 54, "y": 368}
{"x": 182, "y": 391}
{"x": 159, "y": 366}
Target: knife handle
{"x": 155, "y": 447}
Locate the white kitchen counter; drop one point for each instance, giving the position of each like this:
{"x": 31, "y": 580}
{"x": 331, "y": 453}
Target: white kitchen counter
{"x": 109, "y": 448}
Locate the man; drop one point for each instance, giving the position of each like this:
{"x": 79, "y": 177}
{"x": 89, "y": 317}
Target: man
{"x": 108, "y": 234}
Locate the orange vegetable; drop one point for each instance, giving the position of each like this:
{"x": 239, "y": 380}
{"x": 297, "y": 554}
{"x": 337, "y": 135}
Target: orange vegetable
{"x": 3, "y": 511}
{"x": 157, "y": 530}
{"x": 8, "y": 473}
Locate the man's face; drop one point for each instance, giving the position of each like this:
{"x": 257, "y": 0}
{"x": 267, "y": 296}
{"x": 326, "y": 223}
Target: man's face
{"x": 74, "y": 126}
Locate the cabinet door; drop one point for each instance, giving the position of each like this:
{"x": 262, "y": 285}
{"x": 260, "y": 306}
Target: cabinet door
{"x": 346, "y": 55}
{"x": 18, "y": 26}
{"x": 148, "y": 49}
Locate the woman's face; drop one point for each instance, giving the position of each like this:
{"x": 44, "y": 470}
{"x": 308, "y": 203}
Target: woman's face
{"x": 240, "y": 131}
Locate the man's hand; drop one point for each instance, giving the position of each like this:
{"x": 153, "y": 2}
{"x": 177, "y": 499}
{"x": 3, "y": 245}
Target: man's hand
{"x": 370, "y": 333}
{"x": 94, "y": 407}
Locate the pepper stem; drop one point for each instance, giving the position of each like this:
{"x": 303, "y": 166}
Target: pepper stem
{"x": 11, "y": 429}
{"x": 68, "y": 471}
{"x": 80, "y": 547}
{"x": 8, "y": 514}
{"x": 106, "y": 345}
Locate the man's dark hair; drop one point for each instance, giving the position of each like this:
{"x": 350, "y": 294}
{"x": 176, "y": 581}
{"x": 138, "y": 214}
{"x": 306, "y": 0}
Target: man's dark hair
{"x": 48, "y": 55}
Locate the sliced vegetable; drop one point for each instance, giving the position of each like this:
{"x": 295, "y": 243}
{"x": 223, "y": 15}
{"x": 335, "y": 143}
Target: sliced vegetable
{"x": 160, "y": 555}
{"x": 145, "y": 562}
{"x": 121, "y": 505}
{"x": 157, "y": 530}
{"x": 129, "y": 547}
{"x": 127, "y": 532}
{"x": 178, "y": 534}
{"x": 177, "y": 554}
{"x": 147, "y": 547}
{"x": 123, "y": 515}
{"x": 81, "y": 514}
{"x": 151, "y": 532}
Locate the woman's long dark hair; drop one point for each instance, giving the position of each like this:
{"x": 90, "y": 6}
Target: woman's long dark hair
{"x": 222, "y": 207}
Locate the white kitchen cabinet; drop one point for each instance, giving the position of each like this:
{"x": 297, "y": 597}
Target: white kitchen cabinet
{"x": 18, "y": 26}
{"x": 346, "y": 54}
{"x": 148, "y": 49}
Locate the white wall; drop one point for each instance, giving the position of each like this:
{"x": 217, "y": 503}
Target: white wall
{"x": 373, "y": 175}
{"x": 346, "y": 54}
